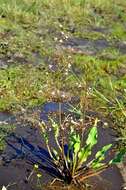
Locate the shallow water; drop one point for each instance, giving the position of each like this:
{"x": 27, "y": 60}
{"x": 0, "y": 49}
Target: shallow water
{"x": 92, "y": 47}
{"x": 73, "y": 44}
{"x": 17, "y": 171}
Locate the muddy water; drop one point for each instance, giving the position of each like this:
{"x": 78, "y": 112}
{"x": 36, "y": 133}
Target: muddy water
{"x": 87, "y": 46}
{"x": 74, "y": 45}
{"x": 16, "y": 173}
{"x": 92, "y": 47}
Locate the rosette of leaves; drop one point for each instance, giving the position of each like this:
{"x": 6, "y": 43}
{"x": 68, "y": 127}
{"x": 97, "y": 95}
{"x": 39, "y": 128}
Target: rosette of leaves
{"x": 69, "y": 162}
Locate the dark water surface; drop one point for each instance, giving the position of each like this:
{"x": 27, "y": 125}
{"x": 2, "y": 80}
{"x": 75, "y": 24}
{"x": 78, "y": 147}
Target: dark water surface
{"x": 16, "y": 173}
{"x": 92, "y": 47}
{"x": 76, "y": 45}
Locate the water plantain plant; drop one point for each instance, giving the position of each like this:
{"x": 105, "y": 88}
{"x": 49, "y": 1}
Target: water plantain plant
{"x": 71, "y": 161}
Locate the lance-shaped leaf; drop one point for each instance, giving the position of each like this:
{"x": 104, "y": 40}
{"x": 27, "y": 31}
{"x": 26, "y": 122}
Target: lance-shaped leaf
{"x": 98, "y": 165}
{"x": 92, "y": 137}
{"x": 119, "y": 157}
{"x": 90, "y": 142}
{"x": 100, "y": 155}
{"x": 74, "y": 141}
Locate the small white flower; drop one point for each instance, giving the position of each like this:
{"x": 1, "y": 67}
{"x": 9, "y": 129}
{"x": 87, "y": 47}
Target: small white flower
{"x": 62, "y": 33}
{"x": 105, "y": 124}
{"x": 61, "y": 41}
{"x": 66, "y": 37}
{"x": 50, "y": 129}
{"x": 55, "y": 39}
{"x": 69, "y": 57}
{"x": 69, "y": 65}
{"x": 80, "y": 86}
{"x": 60, "y": 25}
{"x": 50, "y": 66}
{"x": 63, "y": 95}
{"x": 90, "y": 88}
{"x": 53, "y": 93}
{"x": 40, "y": 91}
{"x": 66, "y": 73}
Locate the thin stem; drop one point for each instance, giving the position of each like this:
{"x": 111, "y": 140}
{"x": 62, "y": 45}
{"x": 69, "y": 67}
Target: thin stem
{"x": 74, "y": 164}
{"x": 62, "y": 135}
{"x": 60, "y": 114}
{"x": 90, "y": 174}
{"x": 50, "y": 153}
{"x": 57, "y": 142}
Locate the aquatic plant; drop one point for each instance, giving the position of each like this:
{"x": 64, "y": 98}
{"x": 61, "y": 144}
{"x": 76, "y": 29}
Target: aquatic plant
{"x": 69, "y": 162}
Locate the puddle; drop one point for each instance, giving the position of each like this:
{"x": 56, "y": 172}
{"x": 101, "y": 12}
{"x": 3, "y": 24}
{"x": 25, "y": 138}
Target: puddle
{"x": 3, "y": 64}
{"x": 121, "y": 46}
{"x": 85, "y": 46}
{"x": 73, "y": 45}
{"x": 16, "y": 172}
{"x": 36, "y": 60}
{"x": 91, "y": 47}
{"x": 100, "y": 30}
{"x": 6, "y": 117}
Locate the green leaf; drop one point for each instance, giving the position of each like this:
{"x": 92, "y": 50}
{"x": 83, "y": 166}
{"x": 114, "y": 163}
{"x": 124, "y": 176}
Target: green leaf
{"x": 92, "y": 137}
{"x": 83, "y": 154}
{"x": 76, "y": 147}
{"x": 75, "y": 144}
{"x": 119, "y": 157}
{"x": 98, "y": 165}
{"x": 90, "y": 142}
{"x": 100, "y": 155}
{"x": 74, "y": 141}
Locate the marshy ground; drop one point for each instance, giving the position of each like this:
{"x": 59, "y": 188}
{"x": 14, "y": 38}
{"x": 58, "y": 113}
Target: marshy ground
{"x": 62, "y": 51}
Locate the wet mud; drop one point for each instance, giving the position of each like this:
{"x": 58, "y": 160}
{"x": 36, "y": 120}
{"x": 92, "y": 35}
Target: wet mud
{"x": 16, "y": 173}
